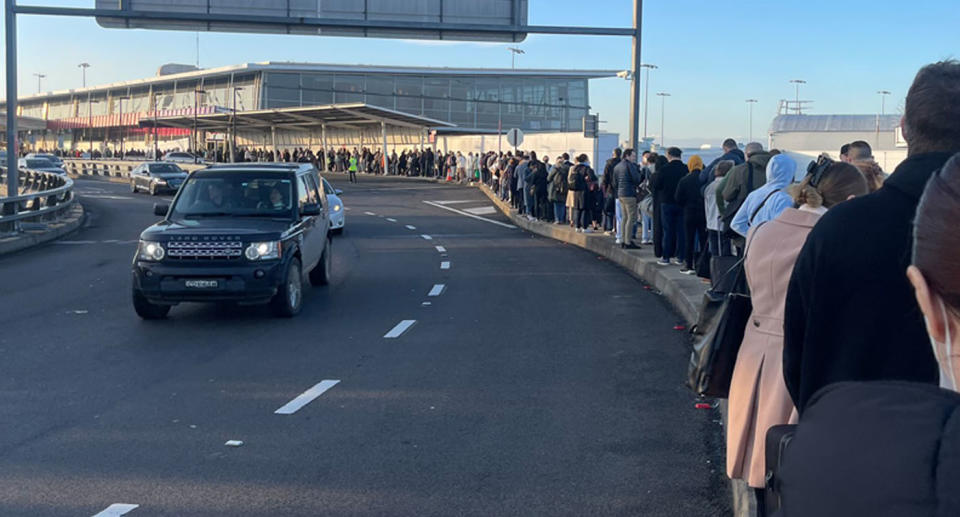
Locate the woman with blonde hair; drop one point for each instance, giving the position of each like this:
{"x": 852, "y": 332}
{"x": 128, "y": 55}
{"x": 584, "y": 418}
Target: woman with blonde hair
{"x": 758, "y": 394}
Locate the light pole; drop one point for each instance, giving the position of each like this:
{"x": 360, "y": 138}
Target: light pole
{"x": 233, "y": 126}
{"x": 514, "y": 51}
{"x": 122, "y": 130}
{"x": 90, "y": 103}
{"x": 39, "y": 79}
{"x": 193, "y": 141}
{"x": 883, "y": 101}
{"x": 663, "y": 101}
{"x": 156, "y": 129}
{"x": 646, "y": 98}
{"x": 751, "y": 102}
{"x": 798, "y": 82}
{"x": 83, "y": 70}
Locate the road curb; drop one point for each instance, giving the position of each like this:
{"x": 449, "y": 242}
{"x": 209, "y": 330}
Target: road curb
{"x": 56, "y": 229}
{"x": 684, "y": 292}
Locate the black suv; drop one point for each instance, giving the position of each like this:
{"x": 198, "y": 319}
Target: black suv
{"x": 242, "y": 233}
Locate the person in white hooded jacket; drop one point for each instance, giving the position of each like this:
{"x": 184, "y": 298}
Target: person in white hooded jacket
{"x": 769, "y": 201}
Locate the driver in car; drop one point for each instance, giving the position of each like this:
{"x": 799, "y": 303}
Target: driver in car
{"x": 216, "y": 201}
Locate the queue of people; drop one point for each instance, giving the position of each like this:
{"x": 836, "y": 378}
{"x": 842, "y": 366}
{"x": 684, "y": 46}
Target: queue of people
{"x": 853, "y": 335}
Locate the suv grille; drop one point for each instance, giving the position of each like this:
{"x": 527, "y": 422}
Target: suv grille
{"x": 204, "y": 250}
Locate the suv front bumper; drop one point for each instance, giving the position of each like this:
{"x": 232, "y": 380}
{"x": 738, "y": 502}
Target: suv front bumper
{"x": 248, "y": 283}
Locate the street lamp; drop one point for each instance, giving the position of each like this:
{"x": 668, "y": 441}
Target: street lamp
{"x": 883, "y": 101}
{"x": 196, "y": 95}
{"x": 663, "y": 100}
{"x": 39, "y": 79}
{"x": 83, "y": 70}
{"x": 513, "y": 58}
{"x": 646, "y": 97}
{"x": 122, "y": 130}
{"x": 233, "y": 126}
{"x": 798, "y": 82}
{"x": 751, "y": 102}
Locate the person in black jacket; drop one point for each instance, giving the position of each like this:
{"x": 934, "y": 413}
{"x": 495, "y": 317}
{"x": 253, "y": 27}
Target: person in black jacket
{"x": 538, "y": 184}
{"x": 850, "y": 313}
{"x": 665, "y": 182}
{"x": 690, "y": 199}
{"x": 892, "y": 448}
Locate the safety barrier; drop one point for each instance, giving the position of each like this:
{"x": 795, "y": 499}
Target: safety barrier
{"x": 110, "y": 168}
{"x": 45, "y": 197}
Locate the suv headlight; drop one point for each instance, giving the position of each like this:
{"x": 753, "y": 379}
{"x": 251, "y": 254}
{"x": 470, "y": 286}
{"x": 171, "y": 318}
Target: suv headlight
{"x": 151, "y": 251}
{"x": 262, "y": 250}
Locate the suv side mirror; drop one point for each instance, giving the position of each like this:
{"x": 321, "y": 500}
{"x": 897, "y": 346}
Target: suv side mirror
{"x": 338, "y": 192}
{"x": 309, "y": 209}
{"x": 161, "y": 209}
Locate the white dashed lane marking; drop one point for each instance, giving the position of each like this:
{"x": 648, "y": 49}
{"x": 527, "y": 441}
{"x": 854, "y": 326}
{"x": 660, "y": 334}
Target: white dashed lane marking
{"x": 437, "y": 290}
{"x": 398, "y": 330}
{"x": 427, "y": 237}
{"x": 441, "y": 249}
{"x": 370, "y": 213}
{"x": 306, "y": 397}
{"x": 115, "y": 510}
{"x": 445, "y": 265}
{"x": 409, "y": 227}
{"x": 392, "y": 220}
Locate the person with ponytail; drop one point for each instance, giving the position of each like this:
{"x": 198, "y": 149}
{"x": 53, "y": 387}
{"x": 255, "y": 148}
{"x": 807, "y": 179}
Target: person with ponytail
{"x": 892, "y": 448}
{"x": 758, "y": 396}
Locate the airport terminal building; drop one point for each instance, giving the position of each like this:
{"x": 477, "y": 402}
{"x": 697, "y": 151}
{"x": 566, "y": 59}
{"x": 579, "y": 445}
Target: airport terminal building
{"x": 170, "y": 105}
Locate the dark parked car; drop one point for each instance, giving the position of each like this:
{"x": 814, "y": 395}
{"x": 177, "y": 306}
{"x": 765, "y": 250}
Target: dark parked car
{"x": 157, "y": 177}
{"x": 245, "y": 233}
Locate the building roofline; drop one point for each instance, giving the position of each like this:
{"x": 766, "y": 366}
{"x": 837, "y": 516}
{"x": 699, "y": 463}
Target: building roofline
{"x": 281, "y": 66}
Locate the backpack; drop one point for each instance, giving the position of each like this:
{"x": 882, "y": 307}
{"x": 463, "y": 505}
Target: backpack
{"x": 575, "y": 179}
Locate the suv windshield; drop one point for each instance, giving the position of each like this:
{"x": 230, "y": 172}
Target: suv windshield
{"x": 164, "y": 168}
{"x": 244, "y": 194}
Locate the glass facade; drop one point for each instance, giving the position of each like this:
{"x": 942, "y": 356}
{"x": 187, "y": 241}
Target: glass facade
{"x": 470, "y": 102}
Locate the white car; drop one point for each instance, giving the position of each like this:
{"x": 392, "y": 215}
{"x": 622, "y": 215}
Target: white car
{"x": 40, "y": 164}
{"x": 178, "y": 157}
{"x": 337, "y": 216}
{"x": 52, "y": 158}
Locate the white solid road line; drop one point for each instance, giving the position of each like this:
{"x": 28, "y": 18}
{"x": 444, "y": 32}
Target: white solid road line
{"x": 482, "y": 210}
{"x": 427, "y": 237}
{"x": 401, "y": 327}
{"x": 445, "y": 265}
{"x": 392, "y": 220}
{"x": 468, "y": 214}
{"x": 411, "y": 227}
{"x": 115, "y": 510}
{"x": 455, "y": 202}
{"x": 441, "y": 249}
{"x": 437, "y": 289}
{"x": 306, "y": 397}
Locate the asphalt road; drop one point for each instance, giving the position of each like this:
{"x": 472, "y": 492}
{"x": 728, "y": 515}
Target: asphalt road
{"x": 541, "y": 380}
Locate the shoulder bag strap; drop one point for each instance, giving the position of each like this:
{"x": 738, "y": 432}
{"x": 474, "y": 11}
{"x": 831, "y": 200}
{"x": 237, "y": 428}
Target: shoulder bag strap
{"x": 757, "y": 211}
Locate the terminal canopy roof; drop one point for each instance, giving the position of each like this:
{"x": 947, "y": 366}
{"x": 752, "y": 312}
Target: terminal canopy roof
{"x": 346, "y": 116}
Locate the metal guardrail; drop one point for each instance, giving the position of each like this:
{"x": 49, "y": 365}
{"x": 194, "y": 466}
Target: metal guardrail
{"x": 110, "y": 168}
{"x": 45, "y": 196}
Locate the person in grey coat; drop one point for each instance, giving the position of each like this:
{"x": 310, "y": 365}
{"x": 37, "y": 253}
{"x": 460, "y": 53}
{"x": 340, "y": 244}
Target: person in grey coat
{"x": 626, "y": 180}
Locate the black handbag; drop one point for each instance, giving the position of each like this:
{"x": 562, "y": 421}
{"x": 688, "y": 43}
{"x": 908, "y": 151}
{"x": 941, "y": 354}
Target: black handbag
{"x": 715, "y": 354}
{"x": 777, "y": 440}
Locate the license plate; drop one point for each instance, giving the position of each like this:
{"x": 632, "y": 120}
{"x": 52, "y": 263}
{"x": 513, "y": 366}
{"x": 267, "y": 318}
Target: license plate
{"x": 202, "y": 284}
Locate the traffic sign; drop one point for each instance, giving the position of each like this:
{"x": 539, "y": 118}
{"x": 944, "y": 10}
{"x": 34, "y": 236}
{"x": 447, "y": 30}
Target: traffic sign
{"x": 515, "y": 137}
{"x": 472, "y": 20}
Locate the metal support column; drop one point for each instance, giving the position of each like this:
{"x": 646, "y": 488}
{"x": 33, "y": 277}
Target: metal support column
{"x": 386, "y": 157}
{"x": 13, "y": 146}
{"x": 635, "y": 80}
{"x": 273, "y": 137}
{"x": 323, "y": 144}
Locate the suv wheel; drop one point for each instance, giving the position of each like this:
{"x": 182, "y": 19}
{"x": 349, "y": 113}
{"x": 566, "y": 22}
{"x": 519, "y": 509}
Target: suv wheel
{"x": 289, "y": 298}
{"x": 147, "y": 310}
{"x": 321, "y": 273}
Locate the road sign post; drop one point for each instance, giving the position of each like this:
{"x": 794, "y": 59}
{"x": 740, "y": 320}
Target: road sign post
{"x": 514, "y": 138}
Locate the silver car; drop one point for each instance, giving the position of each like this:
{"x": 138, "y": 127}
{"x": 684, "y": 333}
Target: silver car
{"x": 40, "y": 164}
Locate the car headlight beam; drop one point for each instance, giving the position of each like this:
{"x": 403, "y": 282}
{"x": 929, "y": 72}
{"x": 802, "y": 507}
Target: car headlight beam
{"x": 262, "y": 250}
{"x": 152, "y": 251}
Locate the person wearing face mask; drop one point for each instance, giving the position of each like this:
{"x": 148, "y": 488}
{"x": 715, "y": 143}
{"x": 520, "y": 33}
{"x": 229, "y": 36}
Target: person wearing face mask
{"x": 892, "y": 448}
{"x": 758, "y": 396}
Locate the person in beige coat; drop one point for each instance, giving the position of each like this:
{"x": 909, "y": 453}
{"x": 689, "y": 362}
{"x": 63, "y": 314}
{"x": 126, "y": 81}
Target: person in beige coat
{"x": 758, "y": 394}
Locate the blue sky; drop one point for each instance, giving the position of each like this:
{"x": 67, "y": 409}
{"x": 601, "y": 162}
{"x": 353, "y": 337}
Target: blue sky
{"x": 712, "y": 54}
